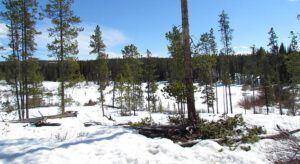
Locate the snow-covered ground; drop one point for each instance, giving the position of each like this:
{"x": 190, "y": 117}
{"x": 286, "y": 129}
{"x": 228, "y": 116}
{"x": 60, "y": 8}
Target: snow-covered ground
{"x": 107, "y": 143}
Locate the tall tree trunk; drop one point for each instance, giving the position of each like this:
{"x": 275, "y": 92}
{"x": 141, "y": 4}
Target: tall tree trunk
{"x": 230, "y": 101}
{"x": 14, "y": 48}
{"x": 279, "y": 88}
{"x": 188, "y": 63}
{"x": 62, "y": 60}
{"x": 253, "y": 95}
{"x": 266, "y": 98}
{"x": 114, "y": 90}
{"x": 226, "y": 98}
{"x": 207, "y": 101}
{"x": 101, "y": 99}
{"x": 217, "y": 101}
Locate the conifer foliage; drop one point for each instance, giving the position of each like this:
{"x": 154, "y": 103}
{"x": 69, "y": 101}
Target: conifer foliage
{"x": 64, "y": 46}
{"x": 98, "y": 48}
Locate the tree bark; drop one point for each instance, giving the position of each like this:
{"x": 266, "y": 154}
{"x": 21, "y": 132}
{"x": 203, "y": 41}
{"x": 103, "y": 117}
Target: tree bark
{"x": 188, "y": 63}
{"x": 61, "y": 61}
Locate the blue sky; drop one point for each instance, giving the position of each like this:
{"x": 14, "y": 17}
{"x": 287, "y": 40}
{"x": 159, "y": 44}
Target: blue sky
{"x": 145, "y": 22}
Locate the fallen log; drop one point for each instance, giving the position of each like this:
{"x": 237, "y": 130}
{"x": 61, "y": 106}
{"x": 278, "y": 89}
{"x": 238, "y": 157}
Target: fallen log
{"x": 42, "y": 123}
{"x": 43, "y": 118}
{"x": 92, "y": 123}
{"x": 175, "y": 133}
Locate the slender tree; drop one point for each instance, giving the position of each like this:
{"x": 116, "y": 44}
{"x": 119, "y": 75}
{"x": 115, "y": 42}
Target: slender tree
{"x": 188, "y": 64}
{"x": 294, "y": 43}
{"x": 133, "y": 76}
{"x": 64, "y": 45}
{"x": 213, "y": 46}
{"x": 98, "y": 47}
{"x": 151, "y": 86}
{"x": 273, "y": 44}
{"x": 226, "y": 38}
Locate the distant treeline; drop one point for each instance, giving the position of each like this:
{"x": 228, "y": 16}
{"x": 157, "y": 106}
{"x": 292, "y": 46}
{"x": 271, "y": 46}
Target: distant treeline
{"x": 238, "y": 65}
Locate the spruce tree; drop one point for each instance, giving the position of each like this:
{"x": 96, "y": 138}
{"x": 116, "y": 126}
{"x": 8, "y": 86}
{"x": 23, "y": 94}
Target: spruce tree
{"x": 98, "y": 47}
{"x": 64, "y": 46}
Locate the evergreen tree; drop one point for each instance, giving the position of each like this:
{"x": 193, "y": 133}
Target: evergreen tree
{"x": 226, "y": 38}
{"x": 188, "y": 70}
{"x": 205, "y": 64}
{"x": 22, "y": 16}
{"x": 273, "y": 44}
{"x": 293, "y": 68}
{"x": 35, "y": 80}
{"x": 98, "y": 47}
{"x": 267, "y": 76}
{"x": 213, "y": 46}
{"x": 175, "y": 88}
{"x": 134, "y": 81}
{"x": 64, "y": 45}
{"x": 294, "y": 43}
{"x": 151, "y": 86}
{"x": 282, "y": 49}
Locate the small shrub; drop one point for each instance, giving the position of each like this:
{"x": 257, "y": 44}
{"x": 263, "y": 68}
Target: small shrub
{"x": 144, "y": 122}
{"x": 246, "y": 148}
{"x": 7, "y": 107}
{"x": 177, "y": 120}
{"x": 61, "y": 137}
{"x": 90, "y": 103}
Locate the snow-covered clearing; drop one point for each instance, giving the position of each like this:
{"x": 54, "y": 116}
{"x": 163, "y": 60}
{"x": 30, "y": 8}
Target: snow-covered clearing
{"x": 73, "y": 143}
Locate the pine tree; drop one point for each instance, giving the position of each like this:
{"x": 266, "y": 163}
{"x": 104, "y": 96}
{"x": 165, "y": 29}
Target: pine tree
{"x": 98, "y": 47}
{"x": 273, "y": 44}
{"x": 151, "y": 86}
{"x": 294, "y": 43}
{"x": 213, "y": 46}
{"x": 134, "y": 78}
{"x": 226, "y": 38}
{"x": 22, "y": 16}
{"x": 175, "y": 88}
{"x": 13, "y": 65}
{"x": 29, "y": 17}
{"x": 64, "y": 45}
{"x": 293, "y": 68}
{"x": 192, "y": 116}
{"x": 205, "y": 64}
{"x": 266, "y": 76}
{"x": 35, "y": 80}
{"x": 282, "y": 49}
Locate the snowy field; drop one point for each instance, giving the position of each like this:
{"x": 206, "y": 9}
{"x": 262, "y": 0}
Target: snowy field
{"x": 107, "y": 143}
